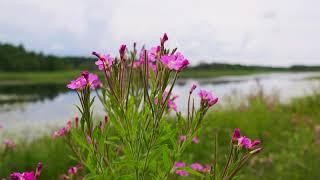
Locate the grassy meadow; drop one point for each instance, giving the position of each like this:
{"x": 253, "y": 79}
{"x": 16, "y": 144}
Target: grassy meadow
{"x": 290, "y": 135}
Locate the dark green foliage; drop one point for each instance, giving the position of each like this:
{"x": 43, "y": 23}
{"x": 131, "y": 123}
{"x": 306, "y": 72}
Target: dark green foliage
{"x": 16, "y": 58}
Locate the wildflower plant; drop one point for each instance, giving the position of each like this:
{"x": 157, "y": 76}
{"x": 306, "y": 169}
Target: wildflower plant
{"x": 136, "y": 140}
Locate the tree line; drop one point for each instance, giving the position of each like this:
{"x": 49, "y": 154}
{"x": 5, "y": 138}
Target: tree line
{"x": 17, "y": 58}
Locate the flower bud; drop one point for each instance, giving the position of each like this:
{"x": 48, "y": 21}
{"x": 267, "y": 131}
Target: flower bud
{"x": 236, "y": 134}
{"x": 76, "y": 119}
{"x": 122, "y": 51}
{"x": 193, "y": 87}
{"x": 163, "y": 39}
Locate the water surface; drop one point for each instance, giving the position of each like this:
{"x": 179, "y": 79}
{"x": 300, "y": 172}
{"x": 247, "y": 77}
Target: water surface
{"x": 32, "y": 109}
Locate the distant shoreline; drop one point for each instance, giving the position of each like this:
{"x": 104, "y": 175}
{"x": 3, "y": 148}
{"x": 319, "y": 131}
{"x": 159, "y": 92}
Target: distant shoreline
{"x": 63, "y": 77}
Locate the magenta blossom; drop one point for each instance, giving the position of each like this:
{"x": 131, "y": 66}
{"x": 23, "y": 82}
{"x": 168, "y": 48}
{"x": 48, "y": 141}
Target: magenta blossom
{"x": 73, "y": 170}
{"x": 122, "y": 51}
{"x": 182, "y": 138}
{"x": 9, "y": 143}
{"x": 236, "y": 134}
{"x": 179, "y": 164}
{"x": 254, "y": 144}
{"x": 175, "y": 62}
{"x": 104, "y": 62}
{"x": 164, "y": 39}
{"x": 153, "y": 53}
{"x": 78, "y": 83}
{"x": 247, "y": 143}
{"x": 182, "y": 173}
{"x": 195, "y": 140}
{"x": 62, "y": 131}
{"x": 207, "y": 99}
{"x": 86, "y": 79}
{"x": 22, "y": 176}
{"x": 244, "y": 141}
{"x": 196, "y": 166}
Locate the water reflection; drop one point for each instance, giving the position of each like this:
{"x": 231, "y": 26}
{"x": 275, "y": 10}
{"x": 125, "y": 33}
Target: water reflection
{"x": 21, "y": 93}
{"x": 23, "y": 106}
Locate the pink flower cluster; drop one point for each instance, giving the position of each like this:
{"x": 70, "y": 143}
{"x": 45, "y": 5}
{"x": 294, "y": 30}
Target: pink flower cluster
{"x": 195, "y": 166}
{"x": 86, "y": 79}
{"x": 207, "y": 98}
{"x": 22, "y": 176}
{"x": 243, "y": 141}
{"x": 175, "y": 62}
{"x": 27, "y": 175}
{"x": 104, "y": 62}
{"x": 62, "y": 131}
{"x": 73, "y": 170}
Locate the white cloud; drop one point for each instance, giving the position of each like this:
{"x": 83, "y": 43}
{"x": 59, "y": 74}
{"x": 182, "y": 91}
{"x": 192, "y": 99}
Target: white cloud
{"x": 249, "y": 31}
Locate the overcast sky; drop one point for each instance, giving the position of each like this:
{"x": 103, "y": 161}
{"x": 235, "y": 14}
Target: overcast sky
{"x": 263, "y": 32}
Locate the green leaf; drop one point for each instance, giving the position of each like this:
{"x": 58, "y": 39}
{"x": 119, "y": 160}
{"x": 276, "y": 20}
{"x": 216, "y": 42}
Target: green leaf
{"x": 166, "y": 159}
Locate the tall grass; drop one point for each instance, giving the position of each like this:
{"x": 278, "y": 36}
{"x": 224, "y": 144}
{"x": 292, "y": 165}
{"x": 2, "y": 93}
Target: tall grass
{"x": 289, "y": 134}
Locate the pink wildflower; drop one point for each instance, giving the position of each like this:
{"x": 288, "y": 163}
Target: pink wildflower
{"x": 9, "y": 143}
{"x": 182, "y": 173}
{"x": 244, "y": 142}
{"x": 62, "y": 131}
{"x": 85, "y": 79}
{"x": 22, "y": 176}
{"x": 93, "y": 81}
{"x": 179, "y": 164}
{"x": 196, "y": 166}
{"x": 163, "y": 39}
{"x": 73, "y": 170}
{"x": 175, "y": 62}
{"x": 182, "y": 138}
{"x": 195, "y": 140}
{"x": 207, "y": 98}
{"x": 254, "y": 144}
{"x": 78, "y": 83}
{"x": 104, "y": 62}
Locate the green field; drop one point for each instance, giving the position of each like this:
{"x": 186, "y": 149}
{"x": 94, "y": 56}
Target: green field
{"x": 289, "y": 133}
{"x": 62, "y": 77}
{"x": 37, "y": 77}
